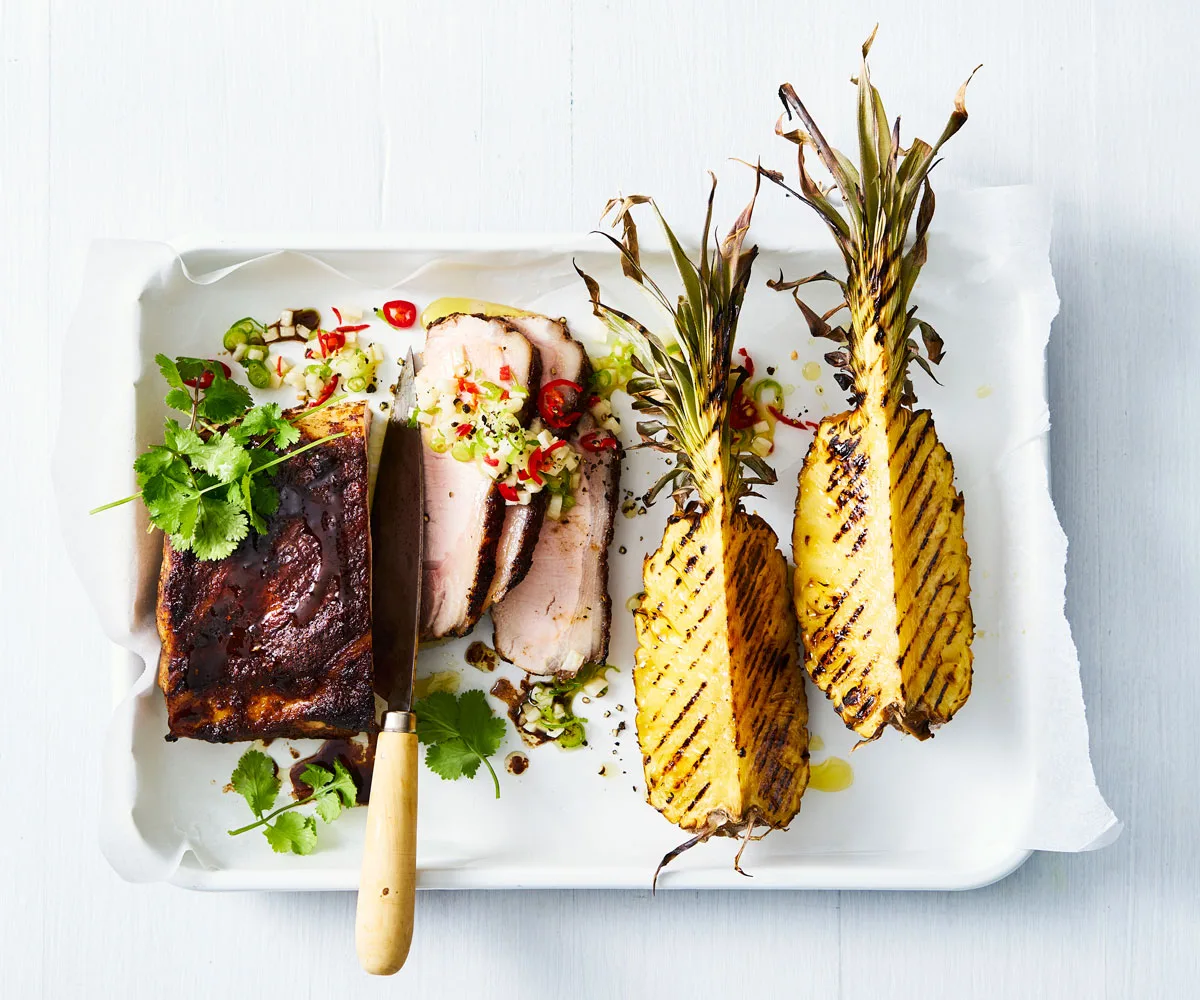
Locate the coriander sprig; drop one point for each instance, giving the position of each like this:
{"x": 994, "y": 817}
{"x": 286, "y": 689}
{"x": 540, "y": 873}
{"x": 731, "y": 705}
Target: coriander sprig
{"x": 459, "y": 733}
{"x": 256, "y": 779}
{"x": 205, "y": 485}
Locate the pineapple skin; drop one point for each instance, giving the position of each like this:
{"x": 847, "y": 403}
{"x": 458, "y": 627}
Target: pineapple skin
{"x": 881, "y": 585}
{"x": 721, "y": 709}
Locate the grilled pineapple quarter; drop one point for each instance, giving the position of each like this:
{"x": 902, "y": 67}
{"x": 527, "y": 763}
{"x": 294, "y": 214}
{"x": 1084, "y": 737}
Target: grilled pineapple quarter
{"x": 721, "y": 712}
{"x": 881, "y": 584}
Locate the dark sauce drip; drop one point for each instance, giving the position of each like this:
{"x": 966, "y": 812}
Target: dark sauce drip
{"x": 357, "y": 758}
{"x": 217, "y": 639}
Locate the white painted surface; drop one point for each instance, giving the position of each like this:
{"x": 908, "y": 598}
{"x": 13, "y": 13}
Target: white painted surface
{"x": 156, "y": 119}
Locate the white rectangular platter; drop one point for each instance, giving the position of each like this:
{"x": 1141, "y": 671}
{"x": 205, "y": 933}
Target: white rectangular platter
{"x": 958, "y": 811}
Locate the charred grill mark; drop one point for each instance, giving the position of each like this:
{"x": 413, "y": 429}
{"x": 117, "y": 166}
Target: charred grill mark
{"x": 679, "y": 718}
{"x": 699, "y": 795}
{"x": 678, "y": 754}
{"x": 691, "y": 563}
{"x": 691, "y": 770}
{"x": 917, "y": 447}
{"x": 856, "y": 514}
{"x": 860, "y": 541}
{"x": 841, "y": 671}
{"x": 941, "y": 694}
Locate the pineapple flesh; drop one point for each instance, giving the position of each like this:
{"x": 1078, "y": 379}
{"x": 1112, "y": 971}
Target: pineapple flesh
{"x": 721, "y": 711}
{"x": 881, "y": 585}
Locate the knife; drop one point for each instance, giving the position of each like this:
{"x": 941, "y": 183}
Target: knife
{"x": 386, "y": 887}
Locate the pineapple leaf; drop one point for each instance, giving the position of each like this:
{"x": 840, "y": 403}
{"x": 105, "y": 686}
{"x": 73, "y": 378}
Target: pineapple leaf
{"x": 880, "y": 198}
{"x": 685, "y": 387}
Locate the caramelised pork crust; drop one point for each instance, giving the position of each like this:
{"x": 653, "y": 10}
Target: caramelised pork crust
{"x": 275, "y": 640}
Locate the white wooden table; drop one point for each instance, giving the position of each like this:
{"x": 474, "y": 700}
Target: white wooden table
{"x": 160, "y": 119}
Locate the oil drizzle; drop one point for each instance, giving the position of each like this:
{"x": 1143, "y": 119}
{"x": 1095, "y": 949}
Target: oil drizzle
{"x": 831, "y": 775}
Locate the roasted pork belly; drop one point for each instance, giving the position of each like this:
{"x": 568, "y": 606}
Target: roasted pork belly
{"x": 275, "y": 640}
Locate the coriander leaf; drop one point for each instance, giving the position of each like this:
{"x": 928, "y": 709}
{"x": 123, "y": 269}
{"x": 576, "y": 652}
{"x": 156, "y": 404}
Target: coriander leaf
{"x": 222, "y": 457}
{"x": 437, "y": 717}
{"x": 452, "y": 759}
{"x": 480, "y": 728}
{"x": 343, "y": 785}
{"x": 218, "y": 529}
{"x": 181, "y": 543}
{"x": 179, "y": 399}
{"x": 189, "y": 369}
{"x": 171, "y": 506}
{"x": 329, "y": 807}
{"x": 224, "y": 400}
{"x": 170, "y": 371}
{"x": 459, "y": 733}
{"x": 266, "y": 497}
{"x": 153, "y": 461}
{"x": 256, "y": 779}
{"x": 183, "y": 440}
{"x": 316, "y": 777}
{"x": 269, "y": 419}
{"x": 292, "y": 832}
{"x": 247, "y": 500}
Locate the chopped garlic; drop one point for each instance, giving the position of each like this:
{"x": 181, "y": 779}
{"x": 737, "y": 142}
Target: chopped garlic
{"x": 303, "y": 332}
{"x": 285, "y": 318}
{"x": 762, "y": 427}
{"x": 554, "y": 509}
{"x": 761, "y": 446}
{"x": 572, "y": 662}
{"x": 287, "y": 331}
{"x": 271, "y": 333}
{"x": 239, "y": 351}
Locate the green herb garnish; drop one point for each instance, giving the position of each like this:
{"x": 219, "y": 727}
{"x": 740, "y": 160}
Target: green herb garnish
{"x": 549, "y": 706}
{"x": 459, "y": 733}
{"x": 256, "y": 779}
{"x": 206, "y": 485}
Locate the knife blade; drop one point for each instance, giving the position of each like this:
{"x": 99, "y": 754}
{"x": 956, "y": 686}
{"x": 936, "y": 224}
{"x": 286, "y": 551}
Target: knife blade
{"x": 387, "y": 885}
{"x": 397, "y": 537}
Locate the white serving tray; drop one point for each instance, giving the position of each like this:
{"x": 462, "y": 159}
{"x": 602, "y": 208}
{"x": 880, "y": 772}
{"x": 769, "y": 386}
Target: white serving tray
{"x": 956, "y": 812}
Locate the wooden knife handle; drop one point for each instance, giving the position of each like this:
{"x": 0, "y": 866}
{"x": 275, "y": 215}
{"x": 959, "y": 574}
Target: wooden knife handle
{"x": 387, "y": 885}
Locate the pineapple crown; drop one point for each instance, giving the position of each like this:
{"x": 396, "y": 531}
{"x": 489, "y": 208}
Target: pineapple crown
{"x": 684, "y": 387}
{"x": 871, "y": 228}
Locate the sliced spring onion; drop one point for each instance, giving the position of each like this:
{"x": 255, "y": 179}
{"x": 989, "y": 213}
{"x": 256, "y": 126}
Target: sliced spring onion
{"x": 258, "y": 374}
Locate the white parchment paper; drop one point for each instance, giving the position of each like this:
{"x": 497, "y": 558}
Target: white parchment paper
{"x": 1012, "y": 773}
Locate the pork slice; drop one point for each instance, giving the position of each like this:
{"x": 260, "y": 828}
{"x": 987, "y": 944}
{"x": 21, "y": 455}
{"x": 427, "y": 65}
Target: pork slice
{"x": 464, "y": 512}
{"x": 562, "y": 357}
{"x": 558, "y": 617}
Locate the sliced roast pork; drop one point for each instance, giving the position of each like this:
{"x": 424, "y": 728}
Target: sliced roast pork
{"x": 464, "y": 512}
{"x": 558, "y": 617}
{"x": 562, "y": 357}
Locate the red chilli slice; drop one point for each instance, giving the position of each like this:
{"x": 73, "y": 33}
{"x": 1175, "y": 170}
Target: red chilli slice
{"x": 593, "y": 441}
{"x": 552, "y": 403}
{"x": 330, "y": 388}
{"x": 508, "y": 492}
{"x": 399, "y": 313}
{"x": 783, "y": 418}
